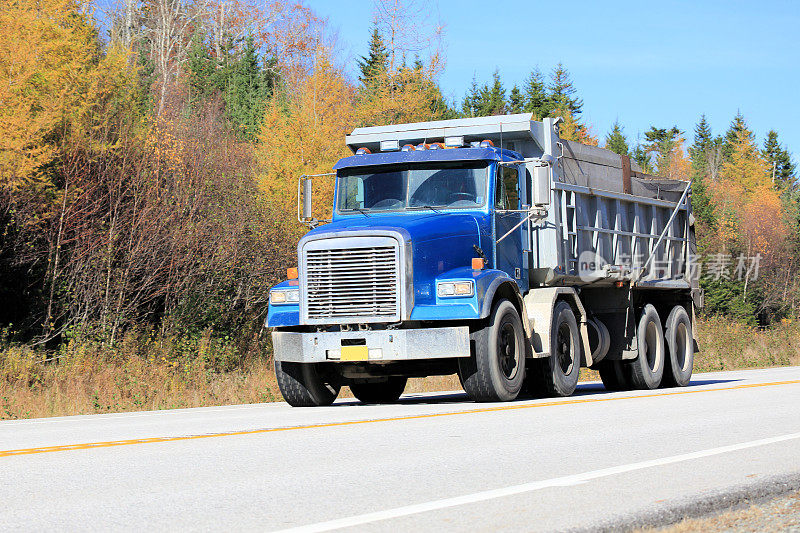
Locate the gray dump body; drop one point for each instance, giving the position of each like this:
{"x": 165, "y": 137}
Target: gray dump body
{"x": 604, "y": 217}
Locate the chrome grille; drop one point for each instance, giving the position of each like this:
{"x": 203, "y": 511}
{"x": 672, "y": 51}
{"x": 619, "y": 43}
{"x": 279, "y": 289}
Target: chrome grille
{"x": 360, "y": 283}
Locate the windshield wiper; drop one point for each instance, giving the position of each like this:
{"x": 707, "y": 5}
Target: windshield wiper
{"x": 425, "y": 207}
{"x": 361, "y": 210}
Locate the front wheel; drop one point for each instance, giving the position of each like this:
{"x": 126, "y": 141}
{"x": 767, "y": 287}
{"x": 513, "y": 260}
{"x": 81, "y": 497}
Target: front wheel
{"x": 557, "y": 375}
{"x": 496, "y": 369}
{"x": 377, "y": 393}
{"x": 302, "y": 385}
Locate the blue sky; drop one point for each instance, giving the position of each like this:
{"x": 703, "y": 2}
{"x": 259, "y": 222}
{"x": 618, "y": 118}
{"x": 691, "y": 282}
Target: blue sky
{"x": 645, "y": 63}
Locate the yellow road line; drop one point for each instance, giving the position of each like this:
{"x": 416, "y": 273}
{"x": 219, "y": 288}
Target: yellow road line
{"x": 507, "y": 407}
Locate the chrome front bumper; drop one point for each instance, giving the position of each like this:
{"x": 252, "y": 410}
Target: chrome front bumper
{"x": 380, "y": 345}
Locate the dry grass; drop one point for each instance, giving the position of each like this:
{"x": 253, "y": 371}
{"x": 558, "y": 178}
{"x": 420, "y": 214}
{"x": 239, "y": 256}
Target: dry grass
{"x": 779, "y": 514}
{"x": 142, "y": 373}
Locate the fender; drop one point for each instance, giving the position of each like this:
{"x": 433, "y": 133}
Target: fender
{"x": 502, "y": 279}
{"x": 539, "y": 304}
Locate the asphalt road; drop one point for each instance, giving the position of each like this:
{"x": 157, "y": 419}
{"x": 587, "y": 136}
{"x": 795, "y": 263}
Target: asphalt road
{"x": 431, "y": 462}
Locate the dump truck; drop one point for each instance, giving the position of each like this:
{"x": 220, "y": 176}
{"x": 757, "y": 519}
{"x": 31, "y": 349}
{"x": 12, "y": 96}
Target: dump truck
{"x": 489, "y": 248}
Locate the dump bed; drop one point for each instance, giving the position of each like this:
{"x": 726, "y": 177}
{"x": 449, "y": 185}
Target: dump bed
{"x": 604, "y": 220}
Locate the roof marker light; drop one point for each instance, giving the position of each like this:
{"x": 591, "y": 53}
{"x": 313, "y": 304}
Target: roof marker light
{"x": 363, "y": 151}
{"x": 435, "y": 146}
{"x": 390, "y": 145}
{"x": 454, "y": 142}
{"x": 407, "y": 148}
{"x": 486, "y": 143}
{"x": 422, "y": 146}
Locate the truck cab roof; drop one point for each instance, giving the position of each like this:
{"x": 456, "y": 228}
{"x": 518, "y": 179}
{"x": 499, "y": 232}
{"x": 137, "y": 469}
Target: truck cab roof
{"x": 426, "y": 156}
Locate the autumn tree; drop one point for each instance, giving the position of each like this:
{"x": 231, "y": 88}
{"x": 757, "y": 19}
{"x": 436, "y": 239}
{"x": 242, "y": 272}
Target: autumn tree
{"x": 36, "y": 96}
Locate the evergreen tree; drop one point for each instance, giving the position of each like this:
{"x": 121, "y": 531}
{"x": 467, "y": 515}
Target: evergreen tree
{"x": 562, "y": 92}
{"x": 516, "y": 101}
{"x": 201, "y": 69}
{"x": 779, "y": 161}
{"x": 616, "y": 141}
{"x": 247, "y": 90}
{"x": 662, "y": 142}
{"x": 700, "y": 150}
{"x": 536, "y": 100}
{"x": 642, "y": 158}
{"x": 469, "y": 107}
{"x": 738, "y": 125}
{"x": 492, "y": 100}
{"x": 376, "y": 61}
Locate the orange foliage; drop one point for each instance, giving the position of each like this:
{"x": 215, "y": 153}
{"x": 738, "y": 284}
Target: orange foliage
{"x": 572, "y": 130}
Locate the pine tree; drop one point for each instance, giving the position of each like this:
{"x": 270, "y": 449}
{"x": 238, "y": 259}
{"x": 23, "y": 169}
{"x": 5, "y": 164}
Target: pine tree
{"x": 700, "y": 150}
{"x": 779, "y": 161}
{"x": 662, "y": 143}
{"x": 562, "y": 92}
{"x": 247, "y": 90}
{"x": 469, "y": 107}
{"x": 738, "y": 125}
{"x": 616, "y": 141}
{"x": 201, "y": 69}
{"x": 516, "y": 101}
{"x": 642, "y": 158}
{"x": 536, "y": 100}
{"x": 376, "y": 61}
{"x": 493, "y": 99}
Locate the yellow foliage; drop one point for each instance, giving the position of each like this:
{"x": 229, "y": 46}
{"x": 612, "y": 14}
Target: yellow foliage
{"x": 572, "y": 130}
{"x": 746, "y": 167}
{"x": 408, "y": 95}
{"x": 46, "y": 49}
{"x": 303, "y": 131}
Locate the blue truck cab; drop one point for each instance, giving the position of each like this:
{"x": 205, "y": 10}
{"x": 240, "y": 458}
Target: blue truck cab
{"x": 424, "y": 269}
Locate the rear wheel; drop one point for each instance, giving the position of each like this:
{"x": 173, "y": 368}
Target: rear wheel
{"x": 557, "y": 375}
{"x": 647, "y": 369}
{"x": 382, "y": 392}
{"x": 302, "y": 385}
{"x": 680, "y": 348}
{"x": 496, "y": 369}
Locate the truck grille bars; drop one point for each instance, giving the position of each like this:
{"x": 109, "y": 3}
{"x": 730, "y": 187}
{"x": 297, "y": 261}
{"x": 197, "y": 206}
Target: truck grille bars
{"x": 352, "y": 280}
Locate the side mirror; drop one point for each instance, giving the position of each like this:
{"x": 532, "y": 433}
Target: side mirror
{"x": 540, "y": 183}
{"x": 304, "y": 213}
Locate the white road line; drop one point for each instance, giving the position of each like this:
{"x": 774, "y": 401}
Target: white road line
{"x": 565, "y": 481}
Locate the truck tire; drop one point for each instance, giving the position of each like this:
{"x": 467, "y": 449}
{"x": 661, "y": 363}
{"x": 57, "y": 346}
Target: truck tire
{"x": 557, "y": 375}
{"x": 301, "y": 385}
{"x": 680, "y": 348}
{"x": 377, "y": 393}
{"x": 614, "y": 375}
{"x": 496, "y": 369}
{"x": 647, "y": 369}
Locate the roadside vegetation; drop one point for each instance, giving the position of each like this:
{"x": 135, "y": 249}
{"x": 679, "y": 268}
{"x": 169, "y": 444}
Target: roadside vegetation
{"x": 148, "y": 166}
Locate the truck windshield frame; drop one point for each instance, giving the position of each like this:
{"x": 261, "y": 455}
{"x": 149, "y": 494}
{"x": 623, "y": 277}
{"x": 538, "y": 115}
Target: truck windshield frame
{"x": 409, "y": 187}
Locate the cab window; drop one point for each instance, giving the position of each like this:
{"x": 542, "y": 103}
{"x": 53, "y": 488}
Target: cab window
{"x": 506, "y": 192}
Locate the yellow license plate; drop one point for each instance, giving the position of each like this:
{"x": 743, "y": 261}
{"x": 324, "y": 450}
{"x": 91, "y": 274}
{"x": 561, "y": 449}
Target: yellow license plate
{"x": 355, "y": 353}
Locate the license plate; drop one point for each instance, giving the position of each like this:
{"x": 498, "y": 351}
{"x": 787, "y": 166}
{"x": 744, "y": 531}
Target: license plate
{"x": 355, "y": 353}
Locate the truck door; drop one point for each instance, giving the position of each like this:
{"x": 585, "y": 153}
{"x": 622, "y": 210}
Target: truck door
{"x": 507, "y": 214}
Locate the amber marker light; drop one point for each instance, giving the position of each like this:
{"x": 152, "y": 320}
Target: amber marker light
{"x": 291, "y": 273}
{"x": 477, "y": 263}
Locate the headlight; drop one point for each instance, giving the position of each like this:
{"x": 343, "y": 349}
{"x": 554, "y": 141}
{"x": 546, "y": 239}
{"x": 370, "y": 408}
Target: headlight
{"x": 292, "y": 296}
{"x": 455, "y": 288}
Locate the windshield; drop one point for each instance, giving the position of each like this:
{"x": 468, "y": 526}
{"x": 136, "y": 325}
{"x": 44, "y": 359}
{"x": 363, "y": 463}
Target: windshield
{"x": 443, "y": 185}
